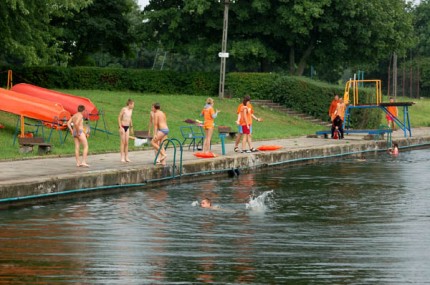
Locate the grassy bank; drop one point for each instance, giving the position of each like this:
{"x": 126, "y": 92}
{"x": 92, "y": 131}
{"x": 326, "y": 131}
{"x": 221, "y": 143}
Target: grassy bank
{"x": 177, "y": 108}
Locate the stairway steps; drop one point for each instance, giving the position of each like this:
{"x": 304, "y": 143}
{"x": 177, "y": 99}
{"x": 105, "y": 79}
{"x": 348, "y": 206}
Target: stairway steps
{"x": 291, "y": 112}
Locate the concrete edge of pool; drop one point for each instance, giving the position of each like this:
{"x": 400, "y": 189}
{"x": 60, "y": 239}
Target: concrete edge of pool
{"x": 24, "y": 182}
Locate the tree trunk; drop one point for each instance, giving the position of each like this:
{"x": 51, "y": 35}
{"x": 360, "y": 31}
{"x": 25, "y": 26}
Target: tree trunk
{"x": 292, "y": 61}
{"x": 303, "y": 60}
{"x": 264, "y": 65}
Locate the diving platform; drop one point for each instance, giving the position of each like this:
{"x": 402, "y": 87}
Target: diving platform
{"x": 404, "y": 124}
{"x": 352, "y": 88}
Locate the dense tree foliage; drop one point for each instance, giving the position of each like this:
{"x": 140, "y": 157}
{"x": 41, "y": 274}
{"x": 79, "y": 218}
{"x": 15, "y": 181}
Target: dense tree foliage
{"x": 422, "y": 27}
{"x": 267, "y": 35}
{"x": 26, "y": 34}
{"x": 102, "y": 27}
{"x": 43, "y": 32}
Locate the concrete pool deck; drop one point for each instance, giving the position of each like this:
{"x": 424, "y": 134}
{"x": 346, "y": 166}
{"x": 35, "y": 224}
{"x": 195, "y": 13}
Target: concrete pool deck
{"x": 46, "y": 178}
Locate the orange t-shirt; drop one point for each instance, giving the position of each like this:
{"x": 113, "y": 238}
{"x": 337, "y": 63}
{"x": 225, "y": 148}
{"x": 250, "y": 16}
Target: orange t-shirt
{"x": 393, "y": 110}
{"x": 250, "y": 112}
{"x": 333, "y": 107}
{"x": 208, "y": 119}
{"x": 244, "y": 111}
{"x": 340, "y": 110}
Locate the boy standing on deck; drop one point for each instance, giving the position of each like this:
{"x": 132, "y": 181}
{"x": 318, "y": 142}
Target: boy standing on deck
{"x": 160, "y": 132}
{"x": 76, "y": 127}
{"x": 125, "y": 124}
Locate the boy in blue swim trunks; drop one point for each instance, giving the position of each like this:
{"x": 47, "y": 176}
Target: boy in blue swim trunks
{"x": 76, "y": 127}
{"x": 161, "y": 130}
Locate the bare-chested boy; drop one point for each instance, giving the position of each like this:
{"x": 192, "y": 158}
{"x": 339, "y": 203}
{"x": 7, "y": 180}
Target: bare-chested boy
{"x": 125, "y": 123}
{"x": 160, "y": 131}
{"x": 76, "y": 127}
{"x": 151, "y": 126}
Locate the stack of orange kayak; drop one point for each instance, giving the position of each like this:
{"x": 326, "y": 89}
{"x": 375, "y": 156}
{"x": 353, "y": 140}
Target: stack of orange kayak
{"x": 69, "y": 102}
{"x": 30, "y": 107}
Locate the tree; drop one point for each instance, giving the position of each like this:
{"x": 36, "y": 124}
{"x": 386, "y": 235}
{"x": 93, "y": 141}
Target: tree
{"x": 422, "y": 27}
{"x": 26, "y": 34}
{"x": 267, "y": 34}
{"x": 103, "y": 27}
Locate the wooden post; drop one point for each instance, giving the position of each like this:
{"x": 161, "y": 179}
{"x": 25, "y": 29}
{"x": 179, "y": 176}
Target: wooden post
{"x": 22, "y": 127}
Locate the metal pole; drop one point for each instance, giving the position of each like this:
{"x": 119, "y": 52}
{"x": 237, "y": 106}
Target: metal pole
{"x": 223, "y": 50}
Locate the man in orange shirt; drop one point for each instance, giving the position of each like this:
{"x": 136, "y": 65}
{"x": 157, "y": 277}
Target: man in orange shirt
{"x": 333, "y": 107}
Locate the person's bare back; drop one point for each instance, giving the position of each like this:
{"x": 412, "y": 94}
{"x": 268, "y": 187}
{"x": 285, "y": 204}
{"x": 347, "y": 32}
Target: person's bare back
{"x": 160, "y": 132}
{"x": 160, "y": 121}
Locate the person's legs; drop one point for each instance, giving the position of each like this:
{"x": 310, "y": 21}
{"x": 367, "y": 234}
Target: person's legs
{"x": 126, "y": 138}
{"x": 207, "y": 140}
{"x": 250, "y": 143}
{"x": 244, "y": 139}
{"x": 156, "y": 141}
{"x": 84, "y": 142}
{"x": 236, "y": 142}
{"x": 250, "y": 139}
{"x": 122, "y": 144}
{"x": 76, "y": 140}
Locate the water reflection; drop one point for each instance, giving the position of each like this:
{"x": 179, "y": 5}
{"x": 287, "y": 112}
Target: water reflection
{"x": 350, "y": 221}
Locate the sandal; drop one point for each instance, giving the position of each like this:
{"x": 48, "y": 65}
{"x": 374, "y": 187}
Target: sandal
{"x": 248, "y": 151}
{"x": 253, "y": 150}
{"x": 236, "y": 149}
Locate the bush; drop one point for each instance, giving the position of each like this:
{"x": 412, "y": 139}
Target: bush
{"x": 254, "y": 84}
{"x": 139, "y": 80}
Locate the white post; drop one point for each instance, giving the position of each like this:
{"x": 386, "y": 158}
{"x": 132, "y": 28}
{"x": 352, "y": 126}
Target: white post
{"x": 223, "y": 54}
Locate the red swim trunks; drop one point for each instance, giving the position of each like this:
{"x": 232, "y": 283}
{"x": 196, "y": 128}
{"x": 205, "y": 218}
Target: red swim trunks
{"x": 245, "y": 130}
{"x": 389, "y": 118}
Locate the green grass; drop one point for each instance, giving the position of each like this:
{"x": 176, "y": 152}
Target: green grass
{"x": 177, "y": 108}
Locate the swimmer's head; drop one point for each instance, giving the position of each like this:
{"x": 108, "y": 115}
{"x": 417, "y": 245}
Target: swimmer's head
{"x": 206, "y": 203}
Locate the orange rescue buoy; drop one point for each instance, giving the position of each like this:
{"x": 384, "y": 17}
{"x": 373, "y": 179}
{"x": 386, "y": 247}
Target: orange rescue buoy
{"x": 205, "y": 154}
{"x": 269, "y": 147}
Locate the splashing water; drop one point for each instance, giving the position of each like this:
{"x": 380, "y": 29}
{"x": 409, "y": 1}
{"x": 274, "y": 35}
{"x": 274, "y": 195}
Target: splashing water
{"x": 195, "y": 203}
{"x": 261, "y": 202}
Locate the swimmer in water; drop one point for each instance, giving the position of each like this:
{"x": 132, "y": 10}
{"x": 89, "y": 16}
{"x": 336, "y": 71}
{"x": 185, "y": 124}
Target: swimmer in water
{"x": 394, "y": 150}
{"x": 206, "y": 203}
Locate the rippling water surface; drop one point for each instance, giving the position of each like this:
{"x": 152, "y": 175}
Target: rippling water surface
{"x": 346, "y": 222}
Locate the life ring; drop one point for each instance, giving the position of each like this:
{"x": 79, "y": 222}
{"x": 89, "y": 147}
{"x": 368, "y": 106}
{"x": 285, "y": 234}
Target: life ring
{"x": 205, "y": 154}
{"x": 269, "y": 147}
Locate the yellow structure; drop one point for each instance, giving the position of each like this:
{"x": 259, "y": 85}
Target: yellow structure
{"x": 352, "y": 86}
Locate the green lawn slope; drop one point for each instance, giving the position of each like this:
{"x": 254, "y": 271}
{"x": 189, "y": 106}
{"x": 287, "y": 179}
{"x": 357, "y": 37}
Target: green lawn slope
{"x": 177, "y": 108}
